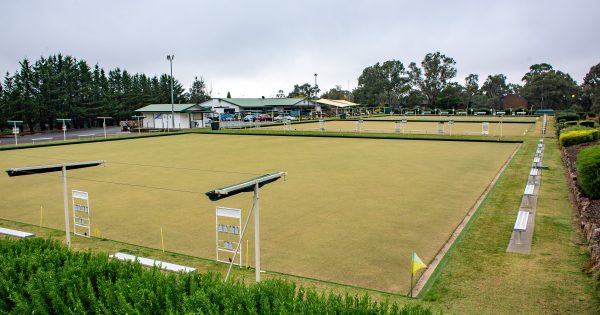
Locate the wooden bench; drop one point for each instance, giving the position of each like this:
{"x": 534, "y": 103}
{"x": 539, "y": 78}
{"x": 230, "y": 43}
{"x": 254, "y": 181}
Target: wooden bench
{"x": 528, "y": 193}
{"x": 521, "y": 223}
{"x": 15, "y": 233}
{"x": 152, "y": 263}
{"x": 537, "y": 162}
{"x": 42, "y": 139}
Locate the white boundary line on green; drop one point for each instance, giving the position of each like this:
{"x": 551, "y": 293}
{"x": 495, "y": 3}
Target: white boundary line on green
{"x": 446, "y": 247}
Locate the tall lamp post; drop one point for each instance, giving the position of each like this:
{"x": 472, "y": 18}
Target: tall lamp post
{"x": 321, "y": 111}
{"x": 170, "y": 58}
{"x": 104, "y": 123}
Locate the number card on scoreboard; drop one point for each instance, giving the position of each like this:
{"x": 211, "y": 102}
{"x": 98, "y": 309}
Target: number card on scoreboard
{"x": 229, "y": 235}
{"x": 81, "y": 213}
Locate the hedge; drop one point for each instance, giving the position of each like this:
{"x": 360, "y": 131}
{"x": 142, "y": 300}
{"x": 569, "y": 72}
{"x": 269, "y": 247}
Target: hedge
{"x": 578, "y": 136}
{"x": 587, "y": 123}
{"x": 40, "y": 276}
{"x": 573, "y": 128}
{"x": 588, "y": 171}
{"x": 567, "y": 117}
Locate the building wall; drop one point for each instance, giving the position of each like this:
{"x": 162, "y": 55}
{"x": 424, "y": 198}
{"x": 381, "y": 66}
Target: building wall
{"x": 164, "y": 121}
{"x": 514, "y": 102}
{"x": 219, "y": 106}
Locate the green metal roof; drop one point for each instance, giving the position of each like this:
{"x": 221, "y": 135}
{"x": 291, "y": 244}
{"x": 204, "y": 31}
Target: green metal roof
{"x": 178, "y": 108}
{"x": 262, "y": 102}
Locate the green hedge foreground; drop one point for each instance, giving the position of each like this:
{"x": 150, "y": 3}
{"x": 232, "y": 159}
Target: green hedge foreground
{"x": 588, "y": 171}
{"x": 40, "y": 276}
{"x": 578, "y": 136}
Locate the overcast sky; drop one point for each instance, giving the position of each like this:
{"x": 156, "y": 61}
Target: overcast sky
{"x": 255, "y": 48}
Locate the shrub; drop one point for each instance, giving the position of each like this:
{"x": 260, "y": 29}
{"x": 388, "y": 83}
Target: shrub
{"x": 571, "y": 123}
{"x": 573, "y": 128}
{"x": 578, "y": 136}
{"x": 588, "y": 171}
{"x": 591, "y": 114}
{"x": 567, "y": 117}
{"x": 587, "y": 123}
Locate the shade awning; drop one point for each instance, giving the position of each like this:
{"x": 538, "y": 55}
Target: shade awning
{"x": 28, "y": 170}
{"x": 245, "y": 186}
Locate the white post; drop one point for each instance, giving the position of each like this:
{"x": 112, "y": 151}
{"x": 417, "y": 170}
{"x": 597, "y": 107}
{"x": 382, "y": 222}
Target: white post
{"x": 16, "y": 132}
{"x": 64, "y": 129}
{"x": 256, "y": 233}
{"x": 66, "y": 206}
{"x": 104, "y": 127}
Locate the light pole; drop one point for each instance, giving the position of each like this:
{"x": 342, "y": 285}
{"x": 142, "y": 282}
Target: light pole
{"x": 15, "y": 129}
{"x": 64, "y": 127}
{"x": 170, "y": 58}
{"x": 104, "y": 123}
{"x": 321, "y": 111}
{"x": 138, "y": 117}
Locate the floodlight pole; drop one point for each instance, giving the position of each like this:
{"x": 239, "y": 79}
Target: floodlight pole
{"x": 66, "y": 206}
{"x": 257, "y": 232}
{"x": 170, "y": 58}
{"x": 64, "y": 127}
{"x": 138, "y": 119}
{"x": 104, "y": 123}
{"x": 15, "y": 129}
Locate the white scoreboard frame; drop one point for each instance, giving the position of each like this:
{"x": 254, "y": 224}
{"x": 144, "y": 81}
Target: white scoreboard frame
{"x": 227, "y": 244}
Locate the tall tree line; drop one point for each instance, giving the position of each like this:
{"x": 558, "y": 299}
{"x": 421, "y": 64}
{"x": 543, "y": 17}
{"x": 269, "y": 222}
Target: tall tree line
{"x": 431, "y": 84}
{"x": 60, "y": 86}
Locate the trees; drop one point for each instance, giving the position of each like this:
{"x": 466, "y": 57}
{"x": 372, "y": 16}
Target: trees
{"x": 61, "y": 86}
{"x": 336, "y": 93}
{"x": 471, "y": 88}
{"x": 386, "y": 82}
{"x": 548, "y": 88}
{"x": 591, "y": 89}
{"x": 198, "y": 92}
{"x": 495, "y": 87}
{"x": 304, "y": 90}
{"x": 434, "y": 75}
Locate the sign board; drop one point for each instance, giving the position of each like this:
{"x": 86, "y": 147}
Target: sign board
{"x": 81, "y": 213}
{"x": 15, "y": 130}
{"x": 485, "y": 128}
{"x": 229, "y": 235}
{"x": 321, "y": 124}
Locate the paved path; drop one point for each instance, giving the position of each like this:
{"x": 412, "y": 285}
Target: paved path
{"x": 58, "y": 135}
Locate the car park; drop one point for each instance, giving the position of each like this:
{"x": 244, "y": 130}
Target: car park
{"x": 264, "y": 117}
{"x": 249, "y": 118}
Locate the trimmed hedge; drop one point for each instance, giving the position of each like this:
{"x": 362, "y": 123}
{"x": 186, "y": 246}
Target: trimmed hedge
{"x": 587, "y": 123}
{"x": 40, "y": 276}
{"x": 571, "y": 123}
{"x": 573, "y": 128}
{"x": 588, "y": 171}
{"x": 578, "y": 136}
{"x": 567, "y": 117}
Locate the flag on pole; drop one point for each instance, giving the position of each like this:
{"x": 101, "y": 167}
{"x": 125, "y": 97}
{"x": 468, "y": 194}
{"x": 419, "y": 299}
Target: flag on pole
{"x": 417, "y": 264}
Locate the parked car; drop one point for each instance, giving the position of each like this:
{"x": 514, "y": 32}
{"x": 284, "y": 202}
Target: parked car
{"x": 264, "y": 117}
{"x": 282, "y": 118}
{"x": 227, "y": 117}
{"x": 249, "y": 118}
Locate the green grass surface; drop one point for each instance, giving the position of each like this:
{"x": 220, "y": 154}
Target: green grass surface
{"x": 479, "y": 277}
{"x": 351, "y": 210}
{"x": 514, "y": 119}
{"x": 411, "y": 127}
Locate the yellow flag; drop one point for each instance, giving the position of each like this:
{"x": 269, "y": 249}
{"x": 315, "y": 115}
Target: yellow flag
{"x": 417, "y": 264}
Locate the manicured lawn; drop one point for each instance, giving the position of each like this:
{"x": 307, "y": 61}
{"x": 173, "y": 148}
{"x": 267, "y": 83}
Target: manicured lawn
{"x": 351, "y": 210}
{"x": 412, "y": 127}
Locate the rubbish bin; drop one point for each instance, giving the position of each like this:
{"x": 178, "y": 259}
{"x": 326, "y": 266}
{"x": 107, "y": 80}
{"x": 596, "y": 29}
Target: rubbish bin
{"x": 343, "y": 116}
{"x": 214, "y": 125}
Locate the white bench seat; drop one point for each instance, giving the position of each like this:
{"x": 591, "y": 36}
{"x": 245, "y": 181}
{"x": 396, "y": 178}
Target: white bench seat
{"x": 529, "y": 190}
{"x": 15, "y": 233}
{"x": 152, "y": 263}
{"x": 521, "y": 222}
{"x": 41, "y": 139}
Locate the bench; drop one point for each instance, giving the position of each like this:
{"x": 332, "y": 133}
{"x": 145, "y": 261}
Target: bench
{"x": 86, "y": 136}
{"x": 535, "y": 172}
{"x": 473, "y": 132}
{"x": 152, "y": 263}
{"x": 444, "y": 113}
{"x": 536, "y": 162}
{"x": 521, "y": 223}
{"x": 154, "y": 130}
{"x": 15, "y": 233}
{"x": 528, "y": 193}
{"x": 42, "y": 139}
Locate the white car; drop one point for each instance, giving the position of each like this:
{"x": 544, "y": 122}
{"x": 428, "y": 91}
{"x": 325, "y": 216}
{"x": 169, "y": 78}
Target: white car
{"x": 282, "y": 118}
